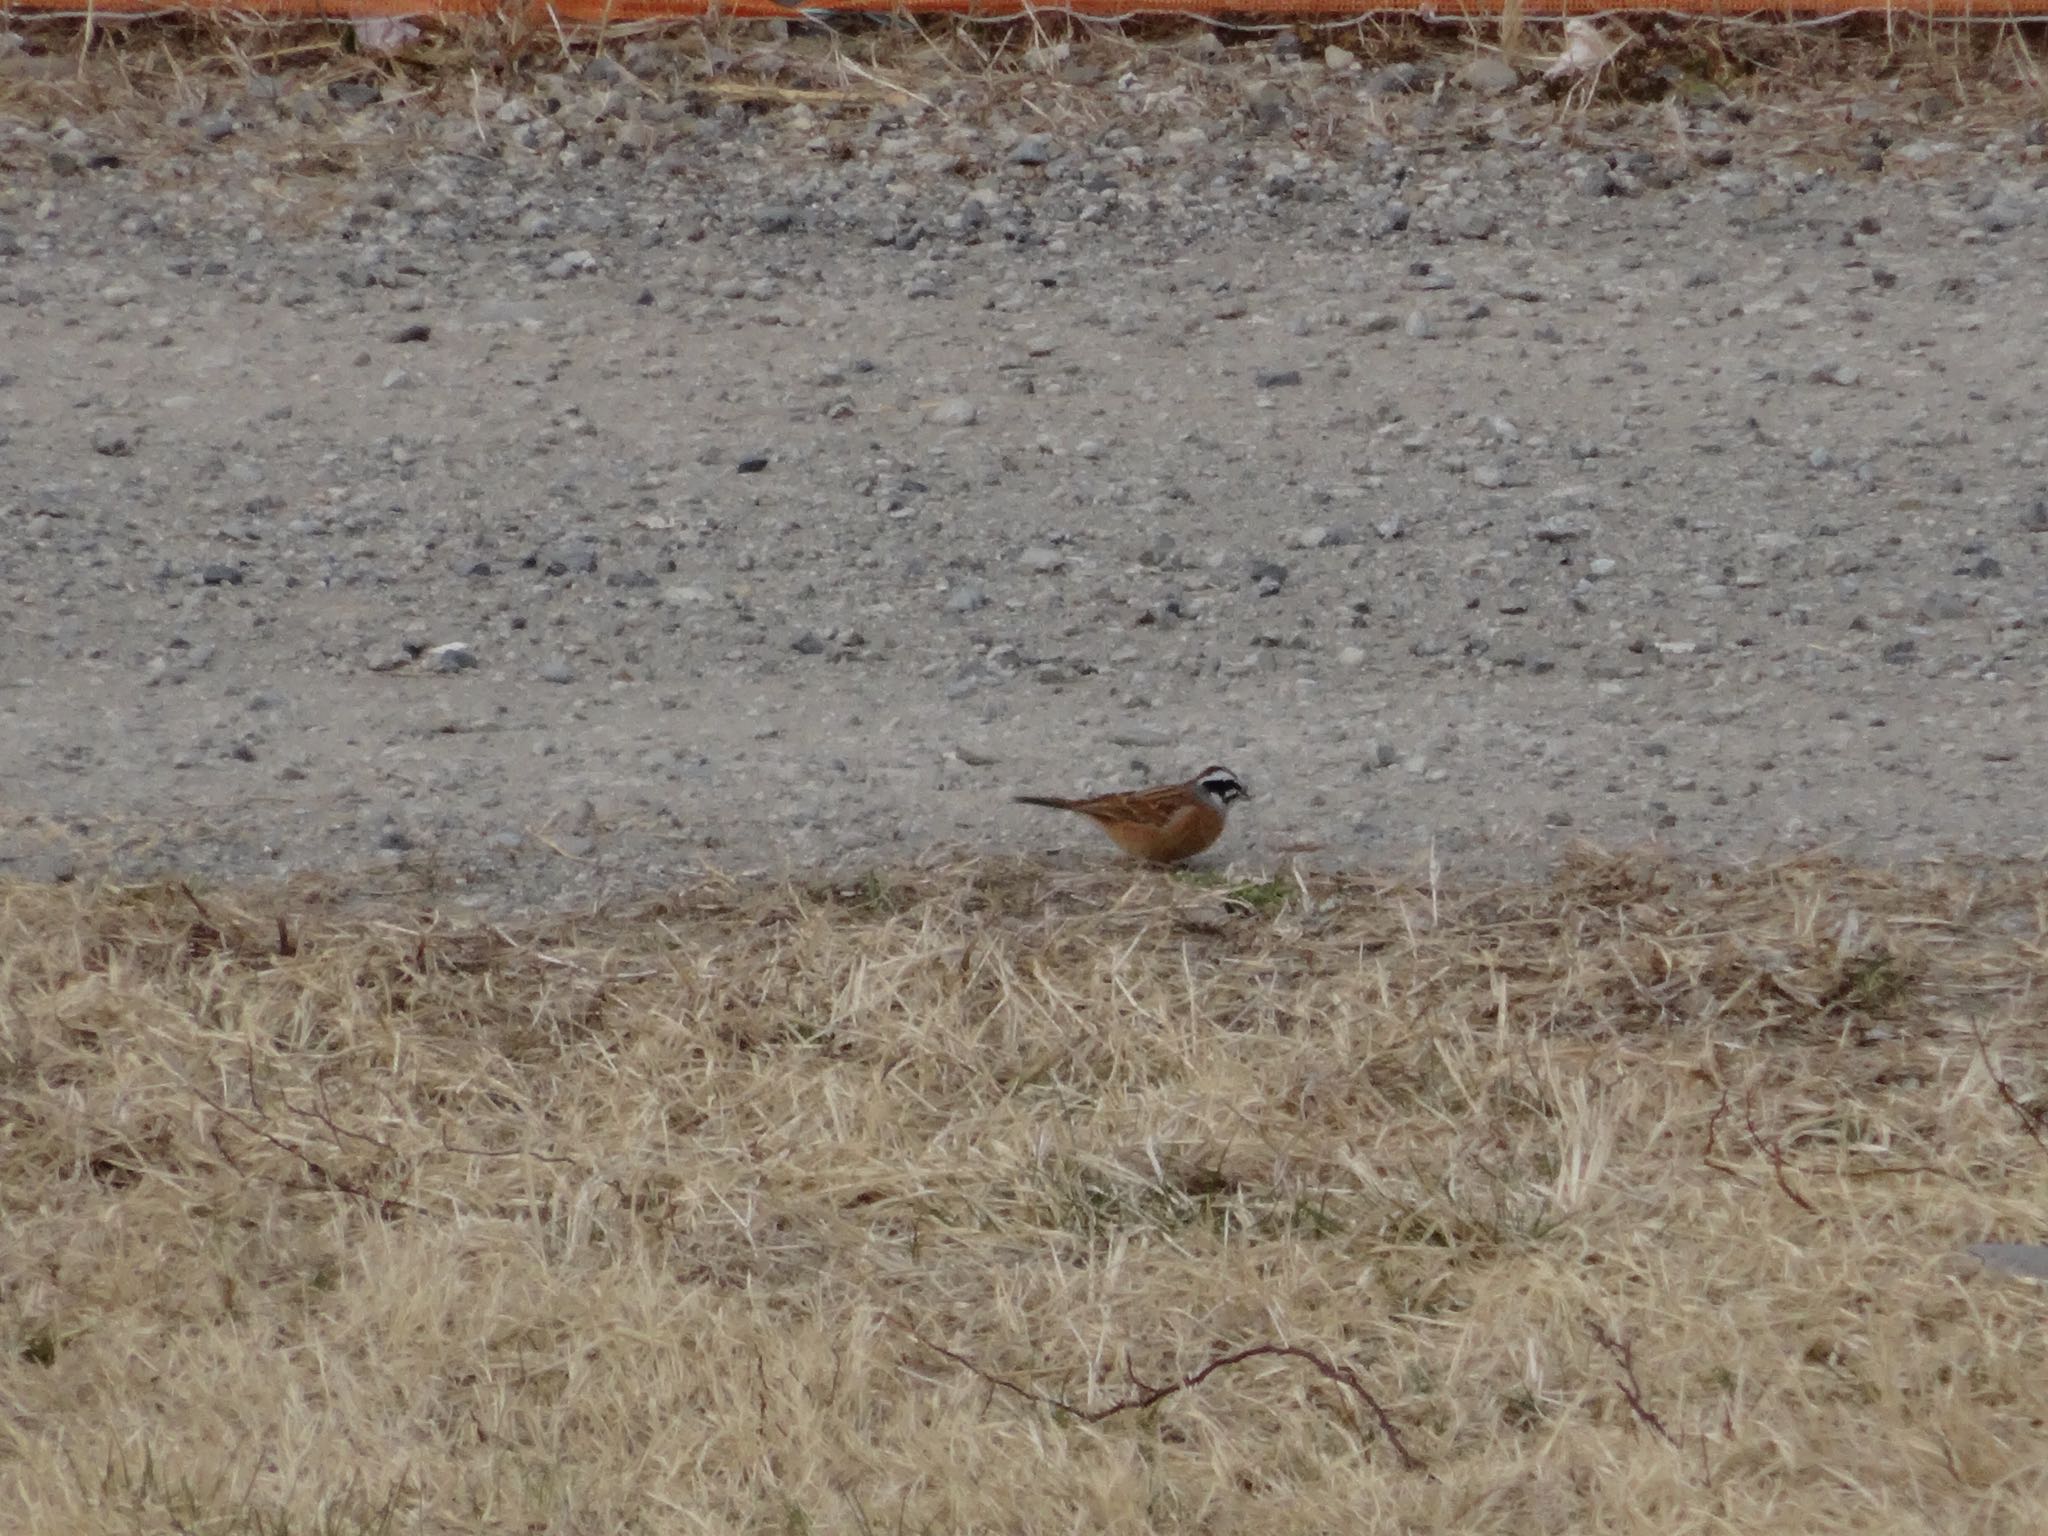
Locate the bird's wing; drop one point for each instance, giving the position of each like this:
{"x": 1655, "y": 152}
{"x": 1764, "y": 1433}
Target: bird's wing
{"x": 1137, "y": 807}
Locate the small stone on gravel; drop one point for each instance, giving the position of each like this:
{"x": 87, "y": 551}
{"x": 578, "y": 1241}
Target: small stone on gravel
{"x": 454, "y": 656}
{"x": 1475, "y": 224}
{"x": 954, "y": 411}
{"x": 1489, "y": 75}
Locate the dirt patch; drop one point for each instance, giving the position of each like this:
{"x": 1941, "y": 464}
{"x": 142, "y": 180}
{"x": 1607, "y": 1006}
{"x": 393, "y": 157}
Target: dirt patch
{"x": 736, "y": 451}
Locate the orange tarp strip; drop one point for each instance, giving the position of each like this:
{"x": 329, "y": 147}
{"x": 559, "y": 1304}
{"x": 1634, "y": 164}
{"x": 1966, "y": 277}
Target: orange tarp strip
{"x": 587, "y": 12}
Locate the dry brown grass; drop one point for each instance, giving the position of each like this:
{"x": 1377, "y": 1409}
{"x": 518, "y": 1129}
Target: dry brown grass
{"x": 1630, "y": 1201}
{"x": 1055, "y": 69}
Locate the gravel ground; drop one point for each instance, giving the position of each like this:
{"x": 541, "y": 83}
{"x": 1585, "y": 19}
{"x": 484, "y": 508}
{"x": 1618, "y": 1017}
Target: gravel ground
{"x": 564, "y": 488}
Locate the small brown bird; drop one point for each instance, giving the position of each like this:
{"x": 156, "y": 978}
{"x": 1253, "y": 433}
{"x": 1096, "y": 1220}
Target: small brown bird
{"x": 1163, "y": 825}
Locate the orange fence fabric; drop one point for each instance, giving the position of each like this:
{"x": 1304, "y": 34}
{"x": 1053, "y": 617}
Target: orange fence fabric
{"x": 598, "y": 12}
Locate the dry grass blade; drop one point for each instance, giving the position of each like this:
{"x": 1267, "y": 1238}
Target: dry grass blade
{"x": 1632, "y": 1194}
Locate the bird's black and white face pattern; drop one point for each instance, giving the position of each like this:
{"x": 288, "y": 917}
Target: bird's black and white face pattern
{"x": 1221, "y": 786}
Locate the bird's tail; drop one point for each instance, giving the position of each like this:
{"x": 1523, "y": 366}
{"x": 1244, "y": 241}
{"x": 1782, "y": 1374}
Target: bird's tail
{"x": 1051, "y": 802}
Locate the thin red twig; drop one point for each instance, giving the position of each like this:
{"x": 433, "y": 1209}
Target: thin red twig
{"x": 1628, "y": 1384}
{"x": 1146, "y": 1393}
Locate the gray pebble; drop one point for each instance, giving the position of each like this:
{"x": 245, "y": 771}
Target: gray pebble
{"x": 954, "y": 411}
{"x": 1475, "y": 224}
{"x": 220, "y": 575}
{"x": 1277, "y": 378}
{"x": 1599, "y": 181}
{"x": 808, "y": 644}
{"x": 1032, "y": 149}
{"x": 966, "y": 598}
{"x": 454, "y": 656}
{"x": 1419, "y": 326}
{"x": 1489, "y": 75}
{"x": 113, "y": 441}
{"x": 1042, "y": 559}
{"x": 576, "y": 559}
{"x": 557, "y": 670}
